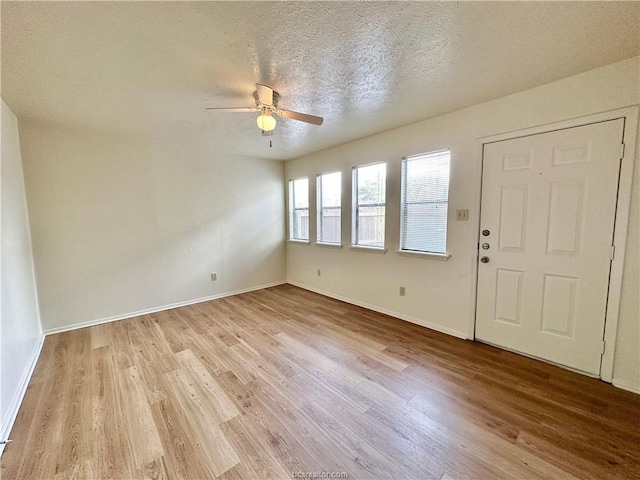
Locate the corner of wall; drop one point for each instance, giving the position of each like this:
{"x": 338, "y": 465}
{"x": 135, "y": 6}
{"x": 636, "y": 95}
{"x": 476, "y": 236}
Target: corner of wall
{"x": 21, "y": 324}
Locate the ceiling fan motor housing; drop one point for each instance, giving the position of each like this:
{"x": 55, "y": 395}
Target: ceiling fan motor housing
{"x": 262, "y": 107}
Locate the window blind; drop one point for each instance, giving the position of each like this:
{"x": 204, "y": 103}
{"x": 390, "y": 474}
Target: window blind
{"x": 425, "y": 197}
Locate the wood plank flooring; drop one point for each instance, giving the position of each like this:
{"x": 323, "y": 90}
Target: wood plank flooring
{"x": 282, "y": 381}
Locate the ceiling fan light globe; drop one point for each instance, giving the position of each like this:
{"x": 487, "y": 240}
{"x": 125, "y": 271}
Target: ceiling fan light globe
{"x": 266, "y": 122}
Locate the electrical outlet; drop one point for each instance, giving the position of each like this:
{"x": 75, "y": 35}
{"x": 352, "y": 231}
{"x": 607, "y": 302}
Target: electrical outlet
{"x": 319, "y": 272}
{"x": 214, "y": 277}
{"x": 462, "y": 215}
{"x": 402, "y": 291}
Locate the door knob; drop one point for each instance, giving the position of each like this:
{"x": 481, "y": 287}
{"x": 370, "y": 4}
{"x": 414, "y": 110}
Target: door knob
{"x": 484, "y": 259}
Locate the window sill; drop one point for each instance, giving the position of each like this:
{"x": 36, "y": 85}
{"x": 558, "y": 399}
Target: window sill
{"x": 328, "y": 245}
{"x": 443, "y": 257}
{"x": 295, "y": 240}
{"x": 362, "y": 248}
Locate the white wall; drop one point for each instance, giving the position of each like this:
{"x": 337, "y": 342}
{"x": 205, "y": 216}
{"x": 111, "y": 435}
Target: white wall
{"x": 122, "y": 225}
{"x": 20, "y": 331}
{"x": 439, "y": 294}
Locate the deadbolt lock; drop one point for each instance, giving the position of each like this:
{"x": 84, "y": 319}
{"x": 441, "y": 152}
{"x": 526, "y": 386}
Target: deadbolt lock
{"x": 486, "y": 233}
{"x": 485, "y": 246}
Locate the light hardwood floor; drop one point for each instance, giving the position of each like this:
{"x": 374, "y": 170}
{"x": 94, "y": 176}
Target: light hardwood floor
{"x": 282, "y": 381}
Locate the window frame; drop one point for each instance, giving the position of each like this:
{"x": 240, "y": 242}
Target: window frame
{"x": 355, "y": 206}
{"x": 320, "y": 208}
{"x": 293, "y": 209}
{"x": 403, "y": 205}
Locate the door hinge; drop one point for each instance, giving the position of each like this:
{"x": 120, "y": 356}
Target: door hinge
{"x": 621, "y": 151}
{"x": 604, "y": 347}
{"x": 613, "y": 252}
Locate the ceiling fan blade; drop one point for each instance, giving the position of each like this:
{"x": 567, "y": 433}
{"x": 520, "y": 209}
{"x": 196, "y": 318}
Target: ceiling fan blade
{"x": 235, "y": 110}
{"x": 303, "y": 117}
{"x": 265, "y": 94}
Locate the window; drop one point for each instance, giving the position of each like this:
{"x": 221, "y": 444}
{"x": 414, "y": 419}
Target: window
{"x": 369, "y": 185}
{"x": 299, "y": 209}
{"x": 425, "y": 198}
{"x": 329, "y": 196}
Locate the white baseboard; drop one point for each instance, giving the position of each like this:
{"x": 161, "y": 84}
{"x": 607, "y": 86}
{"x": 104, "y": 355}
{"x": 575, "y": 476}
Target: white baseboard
{"x": 16, "y": 401}
{"x": 147, "y": 311}
{"x": 626, "y": 385}
{"x": 375, "y": 308}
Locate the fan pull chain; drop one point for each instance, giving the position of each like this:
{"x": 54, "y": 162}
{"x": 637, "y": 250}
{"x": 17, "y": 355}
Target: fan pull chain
{"x": 270, "y": 144}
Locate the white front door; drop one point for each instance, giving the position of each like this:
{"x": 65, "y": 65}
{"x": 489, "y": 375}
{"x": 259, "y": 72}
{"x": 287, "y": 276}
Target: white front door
{"x": 547, "y": 217}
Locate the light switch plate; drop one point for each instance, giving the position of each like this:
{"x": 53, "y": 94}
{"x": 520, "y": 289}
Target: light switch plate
{"x": 462, "y": 215}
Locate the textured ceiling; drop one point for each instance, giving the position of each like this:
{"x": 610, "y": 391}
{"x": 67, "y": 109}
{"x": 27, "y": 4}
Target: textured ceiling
{"x": 150, "y": 68}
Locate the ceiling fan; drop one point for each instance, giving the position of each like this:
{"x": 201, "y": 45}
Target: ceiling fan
{"x": 267, "y": 104}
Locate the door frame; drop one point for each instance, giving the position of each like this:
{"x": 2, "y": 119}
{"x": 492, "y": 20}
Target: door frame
{"x": 621, "y": 225}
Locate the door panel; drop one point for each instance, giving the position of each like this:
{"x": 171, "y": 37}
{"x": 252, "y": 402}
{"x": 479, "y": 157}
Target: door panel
{"x": 513, "y": 216}
{"x": 548, "y": 202}
{"x": 565, "y": 218}
{"x": 559, "y": 305}
{"x": 508, "y": 296}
